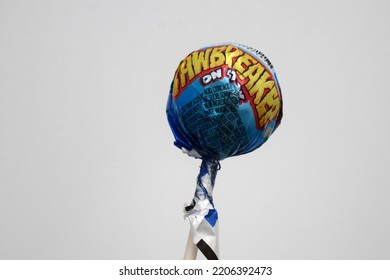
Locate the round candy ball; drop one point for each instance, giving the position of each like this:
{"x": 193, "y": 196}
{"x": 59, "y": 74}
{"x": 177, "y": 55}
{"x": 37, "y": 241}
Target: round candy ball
{"x": 225, "y": 100}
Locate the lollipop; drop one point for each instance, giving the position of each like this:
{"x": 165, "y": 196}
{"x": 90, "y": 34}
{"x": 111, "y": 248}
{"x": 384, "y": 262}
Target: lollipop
{"x": 224, "y": 101}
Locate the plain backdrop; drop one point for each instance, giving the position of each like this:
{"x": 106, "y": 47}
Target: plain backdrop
{"x": 88, "y": 169}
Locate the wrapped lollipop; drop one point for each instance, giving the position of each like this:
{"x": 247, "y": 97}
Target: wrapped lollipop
{"x": 224, "y": 101}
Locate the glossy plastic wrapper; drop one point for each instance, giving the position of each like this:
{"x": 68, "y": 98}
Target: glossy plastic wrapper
{"x": 225, "y": 101}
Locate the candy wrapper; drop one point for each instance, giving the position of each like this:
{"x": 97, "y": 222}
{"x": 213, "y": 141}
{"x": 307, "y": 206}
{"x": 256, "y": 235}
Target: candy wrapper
{"x": 225, "y": 100}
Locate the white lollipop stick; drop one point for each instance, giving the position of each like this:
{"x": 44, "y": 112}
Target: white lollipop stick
{"x": 191, "y": 249}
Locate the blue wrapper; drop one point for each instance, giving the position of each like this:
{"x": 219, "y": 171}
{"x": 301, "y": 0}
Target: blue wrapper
{"x": 225, "y": 100}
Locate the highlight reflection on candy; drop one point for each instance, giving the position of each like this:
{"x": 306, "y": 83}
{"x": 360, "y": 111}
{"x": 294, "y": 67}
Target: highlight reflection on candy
{"x": 224, "y": 101}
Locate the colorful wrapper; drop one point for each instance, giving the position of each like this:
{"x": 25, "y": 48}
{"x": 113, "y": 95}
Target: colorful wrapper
{"x": 225, "y": 100}
{"x": 201, "y": 213}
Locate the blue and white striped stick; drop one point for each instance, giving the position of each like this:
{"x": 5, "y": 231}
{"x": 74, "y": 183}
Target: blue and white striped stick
{"x": 202, "y": 215}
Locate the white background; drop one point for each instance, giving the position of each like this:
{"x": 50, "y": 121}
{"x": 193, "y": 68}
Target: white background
{"x": 88, "y": 169}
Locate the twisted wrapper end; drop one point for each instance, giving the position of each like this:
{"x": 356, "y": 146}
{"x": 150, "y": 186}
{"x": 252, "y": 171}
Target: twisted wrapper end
{"x": 201, "y": 213}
